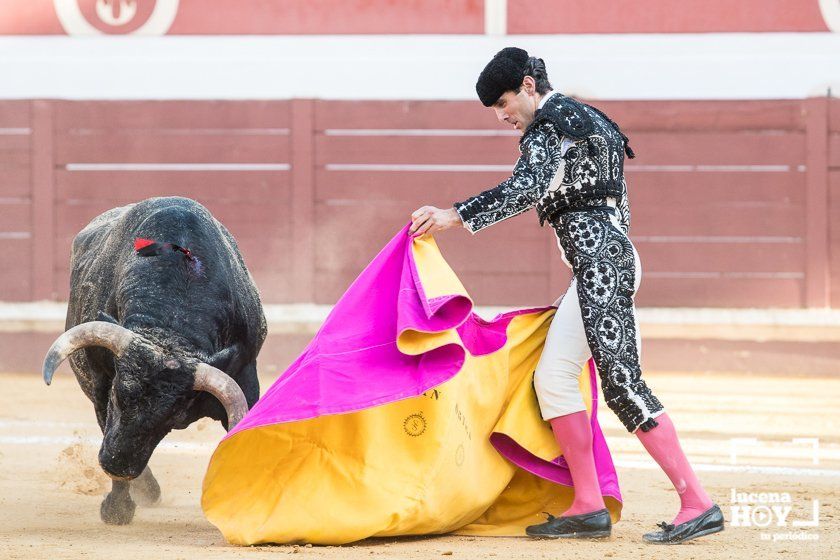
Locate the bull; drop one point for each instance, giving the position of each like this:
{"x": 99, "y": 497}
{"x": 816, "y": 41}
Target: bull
{"x": 164, "y": 325}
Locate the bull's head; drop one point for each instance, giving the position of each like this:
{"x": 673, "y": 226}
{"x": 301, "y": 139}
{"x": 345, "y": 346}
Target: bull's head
{"x": 149, "y": 394}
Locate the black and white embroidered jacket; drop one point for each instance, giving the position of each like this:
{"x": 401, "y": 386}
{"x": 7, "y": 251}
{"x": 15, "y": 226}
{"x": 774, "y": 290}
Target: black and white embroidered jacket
{"x": 572, "y": 156}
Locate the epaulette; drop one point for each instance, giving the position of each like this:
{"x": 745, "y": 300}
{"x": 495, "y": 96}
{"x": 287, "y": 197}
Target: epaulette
{"x": 567, "y": 115}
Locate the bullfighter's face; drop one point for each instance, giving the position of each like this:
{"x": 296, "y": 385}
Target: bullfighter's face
{"x": 517, "y": 108}
{"x": 149, "y": 397}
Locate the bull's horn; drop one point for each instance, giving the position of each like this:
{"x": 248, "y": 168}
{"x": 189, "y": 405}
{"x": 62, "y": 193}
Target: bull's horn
{"x": 223, "y": 387}
{"x": 93, "y": 333}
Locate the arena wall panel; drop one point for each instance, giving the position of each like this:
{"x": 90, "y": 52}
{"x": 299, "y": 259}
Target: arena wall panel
{"x": 725, "y": 194}
{"x": 15, "y": 200}
{"x": 232, "y": 157}
{"x": 832, "y": 130}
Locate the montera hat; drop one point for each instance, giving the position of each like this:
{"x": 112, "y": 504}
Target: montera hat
{"x": 505, "y": 72}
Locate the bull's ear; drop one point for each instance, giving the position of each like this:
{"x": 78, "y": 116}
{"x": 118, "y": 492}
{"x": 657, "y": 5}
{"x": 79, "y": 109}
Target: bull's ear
{"x": 102, "y": 316}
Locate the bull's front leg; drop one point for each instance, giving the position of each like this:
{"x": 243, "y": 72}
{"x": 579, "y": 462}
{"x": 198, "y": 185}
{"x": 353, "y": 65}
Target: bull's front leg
{"x": 145, "y": 488}
{"x": 118, "y": 508}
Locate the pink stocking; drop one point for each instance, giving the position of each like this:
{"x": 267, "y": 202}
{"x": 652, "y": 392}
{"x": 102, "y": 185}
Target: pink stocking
{"x": 662, "y": 444}
{"x": 574, "y": 435}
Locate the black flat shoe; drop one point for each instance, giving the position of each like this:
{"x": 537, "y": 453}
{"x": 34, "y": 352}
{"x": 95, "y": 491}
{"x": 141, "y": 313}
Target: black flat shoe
{"x": 595, "y": 525}
{"x": 708, "y": 522}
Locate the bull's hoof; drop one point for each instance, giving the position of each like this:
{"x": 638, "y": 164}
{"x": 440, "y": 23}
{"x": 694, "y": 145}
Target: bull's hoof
{"x": 145, "y": 490}
{"x": 117, "y": 510}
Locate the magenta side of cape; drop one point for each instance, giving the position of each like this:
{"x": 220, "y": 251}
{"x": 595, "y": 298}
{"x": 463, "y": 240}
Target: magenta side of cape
{"x": 353, "y": 362}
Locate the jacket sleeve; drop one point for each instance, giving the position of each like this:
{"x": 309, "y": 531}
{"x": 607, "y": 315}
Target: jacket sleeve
{"x": 520, "y": 192}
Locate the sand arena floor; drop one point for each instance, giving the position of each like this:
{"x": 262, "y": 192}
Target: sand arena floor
{"x": 51, "y": 486}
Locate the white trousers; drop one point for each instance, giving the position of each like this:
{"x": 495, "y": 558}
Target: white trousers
{"x": 566, "y": 351}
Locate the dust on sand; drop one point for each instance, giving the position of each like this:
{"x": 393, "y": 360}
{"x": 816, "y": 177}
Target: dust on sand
{"x": 78, "y": 470}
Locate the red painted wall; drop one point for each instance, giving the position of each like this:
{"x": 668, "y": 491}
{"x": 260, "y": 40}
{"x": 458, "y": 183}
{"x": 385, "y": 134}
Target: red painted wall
{"x": 735, "y": 203}
{"x": 233, "y": 17}
{"x": 663, "y": 16}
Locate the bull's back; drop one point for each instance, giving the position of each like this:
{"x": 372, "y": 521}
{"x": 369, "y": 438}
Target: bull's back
{"x": 103, "y": 253}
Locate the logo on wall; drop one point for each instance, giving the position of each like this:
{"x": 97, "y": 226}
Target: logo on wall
{"x": 116, "y": 17}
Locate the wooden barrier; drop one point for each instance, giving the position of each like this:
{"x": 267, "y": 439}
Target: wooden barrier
{"x": 735, "y": 203}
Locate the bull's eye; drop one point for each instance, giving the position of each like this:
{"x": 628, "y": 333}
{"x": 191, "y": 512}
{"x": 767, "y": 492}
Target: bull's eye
{"x": 128, "y": 393}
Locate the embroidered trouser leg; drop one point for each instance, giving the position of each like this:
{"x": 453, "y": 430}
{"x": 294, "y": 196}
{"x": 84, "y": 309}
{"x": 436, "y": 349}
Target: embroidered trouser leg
{"x": 607, "y": 273}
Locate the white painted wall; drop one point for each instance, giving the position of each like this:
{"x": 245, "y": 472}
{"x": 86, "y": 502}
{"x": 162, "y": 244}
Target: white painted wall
{"x": 649, "y": 66}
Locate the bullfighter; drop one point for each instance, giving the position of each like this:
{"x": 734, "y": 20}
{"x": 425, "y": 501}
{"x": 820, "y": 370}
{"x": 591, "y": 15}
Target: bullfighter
{"x": 571, "y": 169}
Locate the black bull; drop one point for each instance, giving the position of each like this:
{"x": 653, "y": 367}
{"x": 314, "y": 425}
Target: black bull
{"x": 163, "y": 339}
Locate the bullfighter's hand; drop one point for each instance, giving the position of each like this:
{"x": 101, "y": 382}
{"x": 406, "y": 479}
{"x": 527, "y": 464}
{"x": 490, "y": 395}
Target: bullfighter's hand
{"x": 429, "y": 219}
